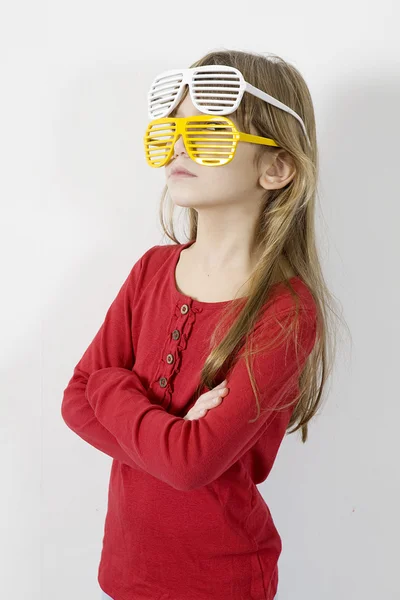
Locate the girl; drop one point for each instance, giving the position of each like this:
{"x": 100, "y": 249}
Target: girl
{"x": 167, "y": 387}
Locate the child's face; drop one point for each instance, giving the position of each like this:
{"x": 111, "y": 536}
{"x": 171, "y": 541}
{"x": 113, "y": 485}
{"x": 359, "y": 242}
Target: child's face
{"x": 231, "y": 183}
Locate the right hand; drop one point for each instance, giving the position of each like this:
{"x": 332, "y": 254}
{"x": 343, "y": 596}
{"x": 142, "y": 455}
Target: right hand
{"x": 206, "y": 401}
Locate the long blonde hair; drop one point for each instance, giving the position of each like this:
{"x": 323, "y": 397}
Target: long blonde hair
{"x": 285, "y": 229}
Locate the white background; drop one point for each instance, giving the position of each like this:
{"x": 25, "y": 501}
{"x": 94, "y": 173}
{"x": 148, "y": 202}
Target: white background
{"x": 79, "y": 206}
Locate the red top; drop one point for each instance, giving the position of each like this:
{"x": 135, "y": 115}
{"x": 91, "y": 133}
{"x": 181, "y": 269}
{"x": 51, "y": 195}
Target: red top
{"x": 185, "y": 519}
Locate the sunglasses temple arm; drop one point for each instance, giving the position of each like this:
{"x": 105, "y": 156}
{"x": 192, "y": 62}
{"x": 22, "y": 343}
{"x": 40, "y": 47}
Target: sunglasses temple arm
{"x": 267, "y": 98}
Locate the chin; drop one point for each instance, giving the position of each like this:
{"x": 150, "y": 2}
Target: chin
{"x": 184, "y": 200}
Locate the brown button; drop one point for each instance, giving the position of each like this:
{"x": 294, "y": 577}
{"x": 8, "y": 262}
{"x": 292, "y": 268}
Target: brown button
{"x": 163, "y": 381}
{"x": 170, "y": 358}
{"x": 176, "y": 334}
{"x": 184, "y": 309}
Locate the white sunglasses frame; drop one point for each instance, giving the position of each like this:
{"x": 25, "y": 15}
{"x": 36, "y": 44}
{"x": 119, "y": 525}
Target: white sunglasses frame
{"x": 186, "y": 76}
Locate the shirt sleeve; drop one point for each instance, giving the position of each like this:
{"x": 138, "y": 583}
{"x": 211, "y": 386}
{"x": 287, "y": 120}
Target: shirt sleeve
{"x": 111, "y": 346}
{"x": 190, "y": 454}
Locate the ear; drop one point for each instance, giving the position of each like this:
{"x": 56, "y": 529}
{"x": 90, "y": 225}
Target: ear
{"x": 277, "y": 170}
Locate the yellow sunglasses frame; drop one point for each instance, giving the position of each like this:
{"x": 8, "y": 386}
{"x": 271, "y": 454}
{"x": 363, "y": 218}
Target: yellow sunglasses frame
{"x": 180, "y": 128}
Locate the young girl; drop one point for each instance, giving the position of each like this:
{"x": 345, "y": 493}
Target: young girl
{"x": 211, "y": 349}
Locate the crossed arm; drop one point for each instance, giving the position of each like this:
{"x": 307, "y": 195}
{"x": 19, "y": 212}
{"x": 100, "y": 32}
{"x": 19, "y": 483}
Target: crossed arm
{"x": 106, "y": 403}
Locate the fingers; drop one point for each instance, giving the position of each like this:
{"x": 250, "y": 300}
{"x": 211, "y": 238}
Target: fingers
{"x": 215, "y": 389}
{"x": 224, "y": 382}
{"x": 207, "y": 401}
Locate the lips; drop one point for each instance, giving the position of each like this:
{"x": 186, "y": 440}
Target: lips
{"x": 181, "y": 174}
{"x": 181, "y": 171}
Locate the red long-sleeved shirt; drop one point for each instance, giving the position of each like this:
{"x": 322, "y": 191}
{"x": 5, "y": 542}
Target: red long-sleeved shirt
{"x": 185, "y": 519}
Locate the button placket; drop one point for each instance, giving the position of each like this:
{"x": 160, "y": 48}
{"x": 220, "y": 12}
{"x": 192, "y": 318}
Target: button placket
{"x": 185, "y": 315}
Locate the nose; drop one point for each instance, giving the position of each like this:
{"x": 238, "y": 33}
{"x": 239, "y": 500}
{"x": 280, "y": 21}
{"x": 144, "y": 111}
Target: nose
{"x": 179, "y": 146}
